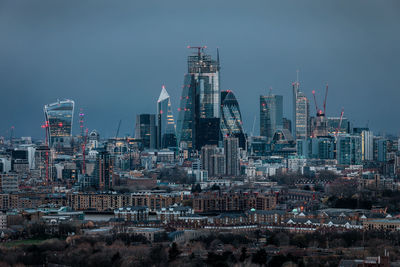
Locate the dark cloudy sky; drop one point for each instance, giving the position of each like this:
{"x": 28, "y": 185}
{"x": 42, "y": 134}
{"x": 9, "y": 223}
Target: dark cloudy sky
{"x": 112, "y": 57}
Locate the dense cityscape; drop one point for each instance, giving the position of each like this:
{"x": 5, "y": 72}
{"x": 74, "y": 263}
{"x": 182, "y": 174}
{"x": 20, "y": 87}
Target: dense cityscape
{"x": 191, "y": 187}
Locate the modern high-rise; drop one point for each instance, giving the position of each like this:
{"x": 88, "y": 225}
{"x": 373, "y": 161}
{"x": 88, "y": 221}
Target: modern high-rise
{"x": 200, "y": 102}
{"x": 165, "y": 121}
{"x": 231, "y": 118}
{"x": 59, "y": 118}
{"x": 348, "y": 149}
{"x": 232, "y": 157}
{"x": 367, "y": 145}
{"x": 271, "y": 114}
{"x": 103, "y": 170}
{"x": 301, "y": 113}
{"x": 146, "y": 130}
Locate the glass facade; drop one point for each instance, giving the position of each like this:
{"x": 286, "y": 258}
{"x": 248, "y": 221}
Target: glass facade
{"x": 145, "y": 130}
{"x": 231, "y": 118}
{"x": 165, "y": 121}
{"x": 348, "y": 149}
{"x": 271, "y": 114}
{"x": 59, "y": 118}
{"x": 200, "y": 98}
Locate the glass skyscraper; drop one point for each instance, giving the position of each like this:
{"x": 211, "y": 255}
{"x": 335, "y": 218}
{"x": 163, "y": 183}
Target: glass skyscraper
{"x": 145, "y": 130}
{"x": 271, "y": 114}
{"x": 59, "y": 118}
{"x": 301, "y": 113}
{"x": 165, "y": 121}
{"x": 231, "y": 118}
{"x": 200, "y": 101}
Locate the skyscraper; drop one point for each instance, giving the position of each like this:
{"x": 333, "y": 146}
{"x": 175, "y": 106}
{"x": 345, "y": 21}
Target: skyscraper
{"x": 367, "y": 145}
{"x": 271, "y": 113}
{"x": 103, "y": 170}
{"x": 301, "y": 113}
{"x": 165, "y": 121}
{"x": 231, "y": 150}
{"x": 59, "y": 117}
{"x": 145, "y": 130}
{"x": 231, "y": 119}
{"x": 200, "y": 102}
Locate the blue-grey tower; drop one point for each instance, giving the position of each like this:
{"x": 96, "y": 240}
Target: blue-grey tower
{"x": 199, "y": 111}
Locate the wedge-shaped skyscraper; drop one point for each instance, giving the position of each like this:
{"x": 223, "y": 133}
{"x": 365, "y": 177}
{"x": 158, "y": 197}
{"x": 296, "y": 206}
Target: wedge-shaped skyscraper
{"x": 165, "y": 121}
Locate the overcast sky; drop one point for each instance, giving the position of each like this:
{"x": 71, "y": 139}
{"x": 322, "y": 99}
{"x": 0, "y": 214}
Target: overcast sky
{"x": 112, "y": 57}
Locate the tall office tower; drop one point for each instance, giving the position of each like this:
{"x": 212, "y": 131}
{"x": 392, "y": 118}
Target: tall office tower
{"x": 165, "y": 121}
{"x": 200, "y": 105}
{"x": 301, "y": 113}
{"x": 271, "y": 114}
{"x": 232, "y": 157}
{"x": 207, "y": 152}
{"x": 381, "y": 149}
{"x": 231, "y": 118}
{"x": 146, "y": 130}
{"x": 348, "y": 149}
{"x": 103, "y": 171}
{"x": 59, "y": 117}
{"x": 367, "y": 145}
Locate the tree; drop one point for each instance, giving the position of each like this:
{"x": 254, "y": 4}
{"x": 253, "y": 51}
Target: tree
{"x": 196, "y": 188}
{"x": 243, "y": 254}
{"x": 173, "y": 252}
{"x": 260, "y": 257}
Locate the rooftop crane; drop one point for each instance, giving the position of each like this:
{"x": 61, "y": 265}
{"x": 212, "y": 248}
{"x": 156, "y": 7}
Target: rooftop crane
{"x": 340, "y": 123}
{"x": 199, "y": 49}
{"x": 319, "y": 111}
{"x": 119, "y": 125}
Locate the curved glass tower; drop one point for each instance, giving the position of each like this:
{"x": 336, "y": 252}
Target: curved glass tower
{"x": 231, "y": 118}
{"x": 59, "y": 117}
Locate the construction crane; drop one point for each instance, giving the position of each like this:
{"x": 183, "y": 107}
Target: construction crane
{"x": 83, "y": 152}
{"x": 319, "y": 111}
{"x": 199, "y": 49}
{"x": 254, "y": 124}
{"x": 45, "y": 126}
{"x": 81, "y": 118}
{"x": 340, "y": 123}
{"x": 119, "y": 125}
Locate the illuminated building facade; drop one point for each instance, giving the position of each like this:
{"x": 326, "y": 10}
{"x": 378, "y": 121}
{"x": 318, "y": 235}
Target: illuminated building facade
{"x": 165, "y": 121}
{"x": 301, "y": 113}
{"x": 59, "y": 117}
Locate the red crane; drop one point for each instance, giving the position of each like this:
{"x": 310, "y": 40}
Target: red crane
{"x": 326, "y": 95}
{"x": 340, "y": 122}
{"x": 319, "y": 111}
{"x": 45, "y": 126}
{"x": 83, "y": 152}
{"x": 199, "y": 48}
{"x": 315, "y": 102}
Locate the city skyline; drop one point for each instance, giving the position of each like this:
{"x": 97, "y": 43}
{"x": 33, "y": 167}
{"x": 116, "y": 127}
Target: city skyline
{"x": 35, "y": 72}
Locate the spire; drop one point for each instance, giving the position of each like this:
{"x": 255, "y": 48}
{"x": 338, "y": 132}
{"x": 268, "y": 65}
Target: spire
{"x": 218, "y": 57}
{"x": 164, "y": 94}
